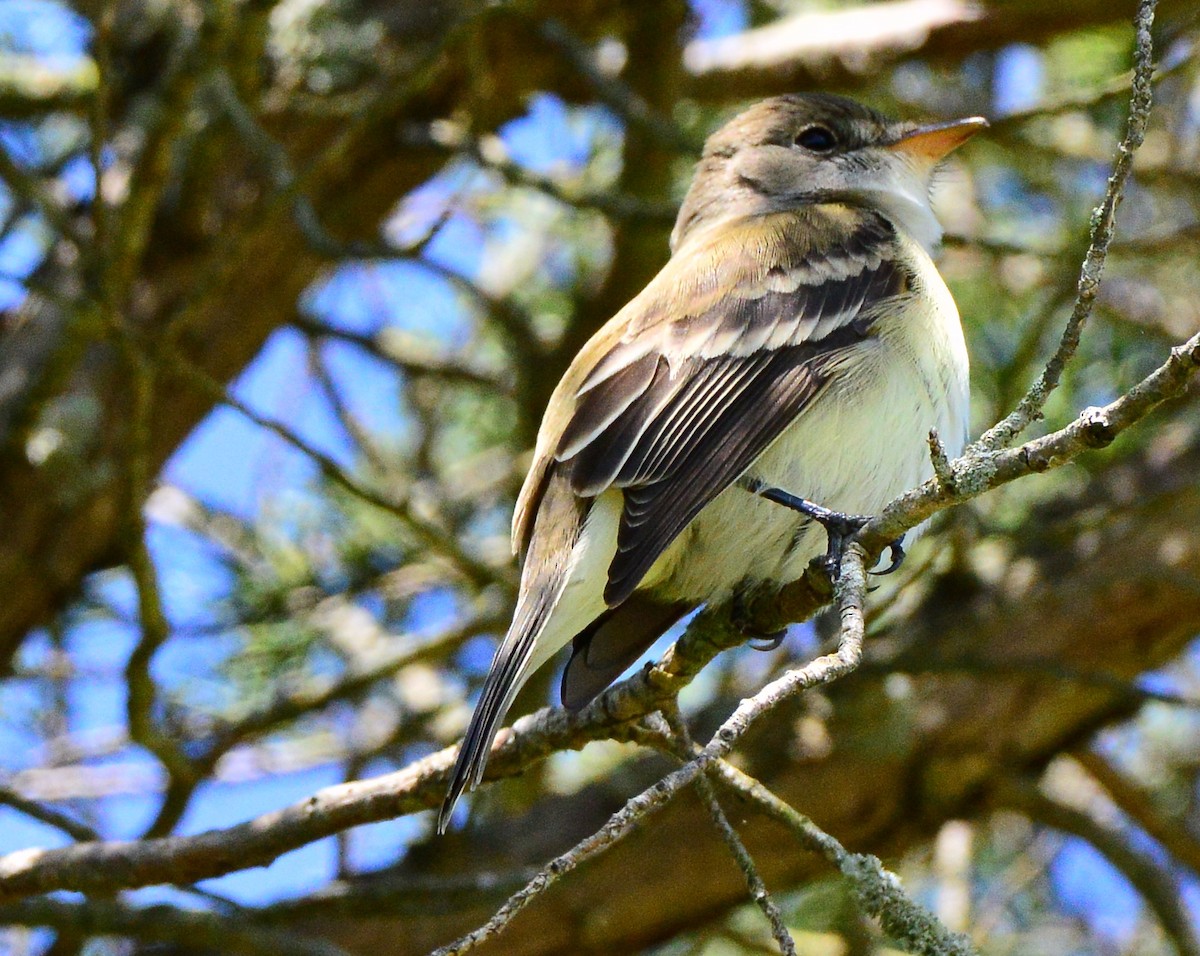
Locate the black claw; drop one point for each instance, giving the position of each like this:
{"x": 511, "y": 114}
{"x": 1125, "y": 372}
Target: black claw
{"x": 896, "y": 553}
{"x": 768, "y": 642}
{"x": 838, "y": 526}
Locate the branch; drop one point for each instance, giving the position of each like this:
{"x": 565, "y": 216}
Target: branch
{"x": 419, "y": 786}
{"x": 851, "y": 588}
{"x": 490, "y": 153}
{"x": 1157, "y": 887}
{"x": 185, "y": 859}
{"x": 27, "y": 186}
{"x": 620, "y": 97}
{"x": 1029, "y": 409}
{"x": 132, "y": 223}
{"x": 876, "y": 890}
{"x": 979, "y": 471}
{"x": 1139, "y": 805}
{"x": 379, "y": 346}
{"x": 848, "y": 49}
{"x": 278, "y": 166}
{"x": 817, "y": 40}
{"x": 73, "y": 828}
{"x": 427, "y": 534}
{"x": 163, "y": 924}
{"x": 678, "y": 730}
{"x": 290, "y": 189}
{"x": 30, "y": 87}
{"x": 142, "y": 700}
{"x": 302, "y": 702}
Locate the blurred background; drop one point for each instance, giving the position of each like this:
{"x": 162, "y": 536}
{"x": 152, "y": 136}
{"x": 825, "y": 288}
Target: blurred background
{"x": 285, "y": 289}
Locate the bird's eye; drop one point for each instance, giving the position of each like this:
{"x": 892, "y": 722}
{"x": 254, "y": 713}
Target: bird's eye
{"x": 816, "y": 139}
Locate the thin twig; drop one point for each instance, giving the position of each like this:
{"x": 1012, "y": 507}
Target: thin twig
{"x": 940, "y": 460}
{"x": 28, "y": 187}
{"x": 427, "y": 533}
{"x": 75, "y": 829}
{"x": 377, "y": 346}
{"x": 850, "y": 589}
{"x": 876, "y": 890}
{"x": 98, "y": 120}
{"x": 142, "y": 701}
{"x": 457, "y": 140}
{"x": 1073, "y": 102}
{"x": 1103, "y": 224}
{"x": 131, "y": 225}
{"x": 302, "y": 702}
{"x": 351, "y": 427}
{"x": 289, "y": 188}
{"x": 677, "y": 727}
{"x": 978, "y": 471}
{"x": 618, "y": 95}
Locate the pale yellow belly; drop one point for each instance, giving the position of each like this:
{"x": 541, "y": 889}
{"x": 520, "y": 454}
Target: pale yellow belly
{"x": 860, "y": 444}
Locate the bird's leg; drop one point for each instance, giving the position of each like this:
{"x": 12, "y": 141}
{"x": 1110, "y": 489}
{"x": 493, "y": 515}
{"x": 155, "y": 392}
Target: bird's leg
{"x": 837, "y": 524}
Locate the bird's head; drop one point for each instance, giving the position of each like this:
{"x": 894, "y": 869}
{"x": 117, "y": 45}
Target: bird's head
{"x": 789, "y": 151}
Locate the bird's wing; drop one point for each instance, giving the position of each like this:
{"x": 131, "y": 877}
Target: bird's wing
{"x": 717, "y": 357}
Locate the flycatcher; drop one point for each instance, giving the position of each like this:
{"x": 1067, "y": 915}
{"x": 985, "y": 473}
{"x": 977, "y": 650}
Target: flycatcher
{"x": 799, "y": 342}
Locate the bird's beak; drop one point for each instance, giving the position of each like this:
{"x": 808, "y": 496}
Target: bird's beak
{"x": 937, "y": 140}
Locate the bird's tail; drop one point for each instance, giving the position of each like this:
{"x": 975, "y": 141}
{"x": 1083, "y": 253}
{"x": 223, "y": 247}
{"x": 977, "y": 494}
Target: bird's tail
{"x": 509, "y": 670}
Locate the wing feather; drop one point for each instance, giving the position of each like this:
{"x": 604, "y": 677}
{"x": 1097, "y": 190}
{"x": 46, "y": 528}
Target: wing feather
{"x": 607, "y": 400}
{"x": 719, "y": 355}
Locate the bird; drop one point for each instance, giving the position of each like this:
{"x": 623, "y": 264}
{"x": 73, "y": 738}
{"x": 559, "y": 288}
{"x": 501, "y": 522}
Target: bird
{"x": 781, "y": 372}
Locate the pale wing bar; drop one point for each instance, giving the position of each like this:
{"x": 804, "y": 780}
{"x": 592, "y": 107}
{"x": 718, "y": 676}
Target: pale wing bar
{"x": 692, "y": 430}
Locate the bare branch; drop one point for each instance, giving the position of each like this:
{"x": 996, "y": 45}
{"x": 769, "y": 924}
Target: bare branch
{"x": 1113, "y": 89}
{"x": 187, "y": 859}
{"x": 815, "y": 40}
{"x": 378, "y": 346}
{"x": 303, "y": 702}
{"x": 677, "y": 727}
{"x": 31, "y": 87}
{"x": 28, "y": 187}
{"x": 1103, "y": 226}
{"x": 73, "y": 828}
{"x": 876, "y": 890}
{"x": 1139, "y": 805}
{"x": 162, "y": 924}
{"x": 490, "y": 153}
{"x": 619, "y": 96}
{"x": 979, "y": 471}
{"x": 132, "y": 224}
{"x": 850, "y": 590}
{"x": 1157, "y": 887}
{"x": 428, "y": 534}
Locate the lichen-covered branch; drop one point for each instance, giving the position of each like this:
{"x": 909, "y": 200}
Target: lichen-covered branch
{"x": 1103, "y": 228}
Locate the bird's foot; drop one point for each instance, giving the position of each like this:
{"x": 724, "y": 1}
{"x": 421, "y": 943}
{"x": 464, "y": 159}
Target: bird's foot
{"x": 838, "y": 525}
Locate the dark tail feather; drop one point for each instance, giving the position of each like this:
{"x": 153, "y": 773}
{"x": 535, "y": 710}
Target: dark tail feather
{"x": 499, "y": 687}
{"x": 612, "y": 642}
